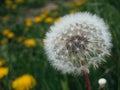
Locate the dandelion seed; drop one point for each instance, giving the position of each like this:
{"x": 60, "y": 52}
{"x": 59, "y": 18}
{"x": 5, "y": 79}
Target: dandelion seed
{"x": 85, "y": 40}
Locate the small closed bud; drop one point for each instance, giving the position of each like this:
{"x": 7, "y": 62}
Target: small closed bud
{"x": 102, "y": 82}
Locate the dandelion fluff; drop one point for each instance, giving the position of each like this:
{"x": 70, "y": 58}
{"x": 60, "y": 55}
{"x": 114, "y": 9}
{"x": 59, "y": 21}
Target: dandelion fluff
{"x": 77, "y": 42}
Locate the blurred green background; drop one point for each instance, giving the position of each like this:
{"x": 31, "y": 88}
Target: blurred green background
{"x": 23, "y": 25}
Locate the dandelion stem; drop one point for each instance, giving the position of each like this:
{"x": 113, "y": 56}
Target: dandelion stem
{"x": 86, "y": 77}
{"x": 87, "y": 80}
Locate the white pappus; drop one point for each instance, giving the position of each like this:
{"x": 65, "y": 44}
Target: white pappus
{"x": 77, "y": 42}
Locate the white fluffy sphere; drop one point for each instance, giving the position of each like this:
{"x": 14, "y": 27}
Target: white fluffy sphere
{"x": 77, "y": 42}
{"x": 102, "y": 82}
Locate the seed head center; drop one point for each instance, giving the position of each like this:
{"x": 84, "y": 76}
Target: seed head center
{"x": 76, "y": 44}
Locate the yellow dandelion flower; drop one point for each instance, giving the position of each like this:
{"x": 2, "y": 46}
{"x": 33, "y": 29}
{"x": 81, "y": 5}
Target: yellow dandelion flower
{"x": 1, "y": 62}
{"x": 19, "y": 1}
{"x": 4, "y": 41}
{"x": 57, "y": 19}
{"x": 30, "y": 43}
{"x": 5, "y": 32}
{"x": 10, "y": 35}
{"x": 20, "y": 39}
{"x": 28, "y": 22}
{"x": 49, "y": 20}
{"x": 25, "y": 82}
{"x": 3, "y": 72}
{"x": 38, "y": 19}
{"x": 42, "y": 16}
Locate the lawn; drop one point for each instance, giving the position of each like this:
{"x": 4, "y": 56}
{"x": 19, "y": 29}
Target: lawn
{"x": 23, "y": 26}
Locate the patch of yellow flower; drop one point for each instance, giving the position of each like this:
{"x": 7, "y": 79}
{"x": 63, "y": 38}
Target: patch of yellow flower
{"x": 28, "y": 22}
{"x": 39, "y": 18}
{"x": 5, "y": 32}
{"x": 49, "y": 20}
{"x": 30, "y": 43}
{"x": 25, "y": 82}
{"x": 3, "y": 70}
{"x": 8, "y": 33}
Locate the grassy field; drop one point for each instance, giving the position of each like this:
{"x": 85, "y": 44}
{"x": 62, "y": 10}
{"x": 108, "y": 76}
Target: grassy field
{"x": 23, "y": 25}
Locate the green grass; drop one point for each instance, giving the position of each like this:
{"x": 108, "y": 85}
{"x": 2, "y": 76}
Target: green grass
{"x": 34, "y": 61}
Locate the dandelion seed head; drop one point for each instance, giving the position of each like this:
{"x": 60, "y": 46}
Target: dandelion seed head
{"x": 77, "y": 39}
